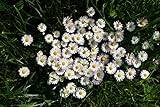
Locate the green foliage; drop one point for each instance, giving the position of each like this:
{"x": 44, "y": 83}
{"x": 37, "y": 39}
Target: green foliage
{"x": 18, "y": 17}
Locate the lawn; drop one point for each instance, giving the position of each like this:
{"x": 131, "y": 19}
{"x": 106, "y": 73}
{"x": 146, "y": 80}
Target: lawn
{"x": 22, "y": 17}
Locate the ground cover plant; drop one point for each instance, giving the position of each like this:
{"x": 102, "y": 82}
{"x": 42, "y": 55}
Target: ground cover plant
{"x": 79, "y": 53}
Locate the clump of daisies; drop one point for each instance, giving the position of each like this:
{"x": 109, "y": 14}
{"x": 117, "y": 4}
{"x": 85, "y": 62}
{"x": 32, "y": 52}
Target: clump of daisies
{"x": 86, "y": 52}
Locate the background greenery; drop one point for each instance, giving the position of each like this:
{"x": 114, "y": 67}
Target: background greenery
{"x": 18, "y": 17}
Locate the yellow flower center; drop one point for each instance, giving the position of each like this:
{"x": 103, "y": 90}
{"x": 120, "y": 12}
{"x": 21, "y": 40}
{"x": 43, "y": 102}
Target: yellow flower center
{"x": 24, "y": 71}
{"x": 55, "y": 52}
{"x": 27, "y": 39}
{"x": 98, "y": 74}
{"x": 130, "y": 73}
{"x": 80, "y": 92}
{"x": 42, "y": 60}
{"x": 103, "y": 58}
{"x": 94, "y": 65}
{"x": 119, "y": 75}
{"x": 71, "y": 88}
{"x": 110, "y": 68}
{"x": 78, "y": 38}
{"x": 63, "y": 63}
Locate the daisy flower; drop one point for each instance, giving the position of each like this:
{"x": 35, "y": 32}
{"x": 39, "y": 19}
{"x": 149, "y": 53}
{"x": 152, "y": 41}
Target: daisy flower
{"x": 92, "y": 57}
{"x": 114, "y": 52}
{"x": 130, "y": 74}
{"x": 55, "y": 65}
{"x": 55, "y": 52}
{"x": 93, "y": 44}
{"x": 50, "y": 60}
{"x": 116, "y": 55}
{"x": 63, "y": 63}
{"x": 80, "y": 93}
{"x": 96, "y": 82}
{"x": 83, "y": 21}
{"x": 82, "y": 71}
{"x": 156, "y": 35}
{"x": 134, "y": 40}
{"x": 42, "y": 27}
{"x": 101, "y": 23}
{"x": 66, "y": 53}
{"x": 77, "y": 75}
{"x": 98, "y": 75}
{"x": 130, "y": 26}
{"x": 77, "y": 67}
{"x": 64, "y": 44}
{"x": 67, "y": 20}
{"x": 73, "y": 48}
{"x": 69, "y": 74}
{"x": 105, "y": 48}
{"x": 84, "y": 62}
{"x": 71, "y": 88}
{"x": 66, "y": 37}
{"x": 117, "y": 25}
{"x": 144, "y": 74}
{"x": 72, "y": 35}
{"x": 89, "y": 35}
{"x": 24, "y": 72}
{"x": 27, "y": 40}
{"x": 60, "y": 71}
{"x": 90, "y": 11}
{"x": 70, "y": 28}
{"x": 111, "y": 68}
{"x": 105, "y": 36}
{"x": 39, "y": 53}
{"x": 142, "y": 22}
{"x": 94, "y": 50}
{"x": 94, "y": 66}
{"x": 79, "y": 39}
{"x": 103, "y": 58}
{"x": 145, "y": 45}
{"x": 76, "y": 23}
{"x": 119, "y": 36}
{"x": 53, "y": 78}
{"x": 113, "y": 45}
{"x": 119, "y": 75}
{"x": 64, "y": 93}
{"x": 90, "y": 85}
{"x": 56, "y": 43}
{"x": 129, "y": 57}
{"x": 84, "y": 52}
{"x": 70, "y": 61}
{"x": 121, "y": 51}
{"x": 56, "y": 34}
{"x": 77, "y": 60}
{"x": 95, "y": 29}
{"x": 136, "y": 63}
{"x": 117, "y": 62}
{"x": 98, "y": 37}
{"x": 84, "y": 81}
{"x": 111, "y": 37}
{"x": 88, "y": 73}
{"x": 81, "y": 31}
{"x": 91, "y": 23}
{"x": 143, "y": 56}
{"x": 41, "y": 60}
{"x": 48, "y": 38}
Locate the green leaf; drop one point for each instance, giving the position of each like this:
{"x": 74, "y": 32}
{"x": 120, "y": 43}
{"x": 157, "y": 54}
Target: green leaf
{"x": 1, "y": 105}
{"x": 19, "y": 5}
{"x": 113, "y": 13}
{"x": 26, "y": 105}
{"x": 3, "y": 5}
{"x": 103, "y": 7}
